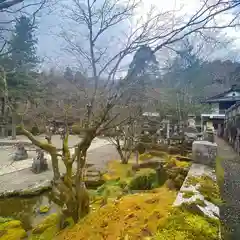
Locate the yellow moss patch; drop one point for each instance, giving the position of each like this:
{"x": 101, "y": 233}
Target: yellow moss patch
{"x": 44, "y": 209}
{"x": 145, "y": 156}
{"x": 14, "y": 234}
{"x": 117, "y": 170}
{"x": 172, "y": 161}
{"x": 184, "y": 225}
{"x": 11, "y": 224}
{"x": 12, "y": 230}
{"x": 136, "y": 216}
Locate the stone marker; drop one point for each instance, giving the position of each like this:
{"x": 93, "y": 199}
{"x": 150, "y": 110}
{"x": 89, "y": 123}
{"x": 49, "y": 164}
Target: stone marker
{"x": 39, "y": 163}
{"x": 21, "y": 153}
{"x": 204, "y": 152}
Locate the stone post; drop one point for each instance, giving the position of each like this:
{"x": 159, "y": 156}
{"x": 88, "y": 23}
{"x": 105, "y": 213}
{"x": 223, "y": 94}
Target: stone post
{"x": 204, "y": 152}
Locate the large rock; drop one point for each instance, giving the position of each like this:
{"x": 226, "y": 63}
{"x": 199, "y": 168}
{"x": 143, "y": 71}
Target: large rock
{"x": 204, "y": 152}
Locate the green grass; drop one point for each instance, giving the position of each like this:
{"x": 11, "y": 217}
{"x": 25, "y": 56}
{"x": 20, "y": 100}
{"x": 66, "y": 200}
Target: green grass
{"x": 219, "y": 172}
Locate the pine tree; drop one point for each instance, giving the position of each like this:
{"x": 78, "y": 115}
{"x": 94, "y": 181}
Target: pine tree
{"x": 22, "y": 60}
{"x": 23, "y": 45}
{"x": 144, "y": 64}
{"x": 68, "y": 74}
{"x": 143, "y": 73}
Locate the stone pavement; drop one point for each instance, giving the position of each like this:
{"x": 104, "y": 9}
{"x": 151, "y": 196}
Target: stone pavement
{"x": 18, "y": 176}
{"x": 230, "y": 211}
{"x": 8, "y": 166}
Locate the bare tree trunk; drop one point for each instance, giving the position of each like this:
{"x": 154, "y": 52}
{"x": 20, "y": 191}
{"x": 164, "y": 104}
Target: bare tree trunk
{"x": 14, "y": 125}
{"x": 82, "y": 196}
{"x": 137, "y": 157}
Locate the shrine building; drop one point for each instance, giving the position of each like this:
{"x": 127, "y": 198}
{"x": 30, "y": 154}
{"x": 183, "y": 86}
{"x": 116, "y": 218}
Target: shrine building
{"x": 219, "y": 103}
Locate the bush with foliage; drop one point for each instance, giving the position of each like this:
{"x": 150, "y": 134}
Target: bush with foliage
{"x": 35, "y": 131}
{"x": 145, "y": 179}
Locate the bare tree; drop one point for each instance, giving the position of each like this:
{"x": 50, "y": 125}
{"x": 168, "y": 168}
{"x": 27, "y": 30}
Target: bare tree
{"x": 125, "y": 136}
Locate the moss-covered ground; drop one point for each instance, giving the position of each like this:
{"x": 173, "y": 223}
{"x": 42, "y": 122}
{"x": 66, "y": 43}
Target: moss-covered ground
{"x": 11, "y": 229}
{"x": 207, "y": 187}
{"x": 130, "y": 205}
{"x": 127, "y": 214}
{"x": 133, "y": 216}
{"x": 183, "y": 224}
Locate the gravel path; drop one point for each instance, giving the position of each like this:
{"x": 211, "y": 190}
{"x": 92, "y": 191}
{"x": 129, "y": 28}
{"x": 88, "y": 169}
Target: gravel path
{"x": 24, "y": 179}
{"x": 230, "y": 212}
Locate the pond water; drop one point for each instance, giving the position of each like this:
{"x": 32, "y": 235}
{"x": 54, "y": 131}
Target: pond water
{"x": 27, "y": 209}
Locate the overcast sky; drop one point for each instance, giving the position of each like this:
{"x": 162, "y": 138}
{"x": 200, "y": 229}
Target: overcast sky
{"x": 50, "y": 46}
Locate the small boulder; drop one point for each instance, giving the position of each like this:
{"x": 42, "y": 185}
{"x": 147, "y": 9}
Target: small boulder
{"x": 39, "y": 163}
{"x": 21, "y": 153}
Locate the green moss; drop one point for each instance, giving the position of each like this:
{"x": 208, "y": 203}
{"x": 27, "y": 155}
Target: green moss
{"x": 207, "y": 187}
{"x": 11, "y": 224}
{"x": 199, "y": 202}
{"x": 49, "y": 222}
{"x": 4, "y": 220}
{"x": 117, "y": 171}
{"x": 112, "y": 190}
{"x": 210, "y": 190}
{"x": 183, "y": 224}
{"x": 188, "y": 194}
{"x": 145, "y": 179}
{"x": 48, "y": 228}
{"x": 192, "y": 181}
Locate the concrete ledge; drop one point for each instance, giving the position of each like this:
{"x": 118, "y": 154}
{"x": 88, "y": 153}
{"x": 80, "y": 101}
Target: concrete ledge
{"x": 198, "y": 170}
{"x": 210, "y": 209}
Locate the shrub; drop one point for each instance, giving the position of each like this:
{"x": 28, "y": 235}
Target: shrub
{"x": 141, "y": 148}
{"x": 35, "y": 130}
{"x": 76, "y": 129}
{"x": 145, "y": 179}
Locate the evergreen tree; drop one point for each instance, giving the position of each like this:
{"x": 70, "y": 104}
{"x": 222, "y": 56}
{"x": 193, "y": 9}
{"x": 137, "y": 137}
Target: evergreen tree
{"x": 68, "y": 74}
{"x": 23, "y": 45}
{"x": 143, "y": 73}
{"x": 22, "y": 60}
{"x": 144, "y": 66}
